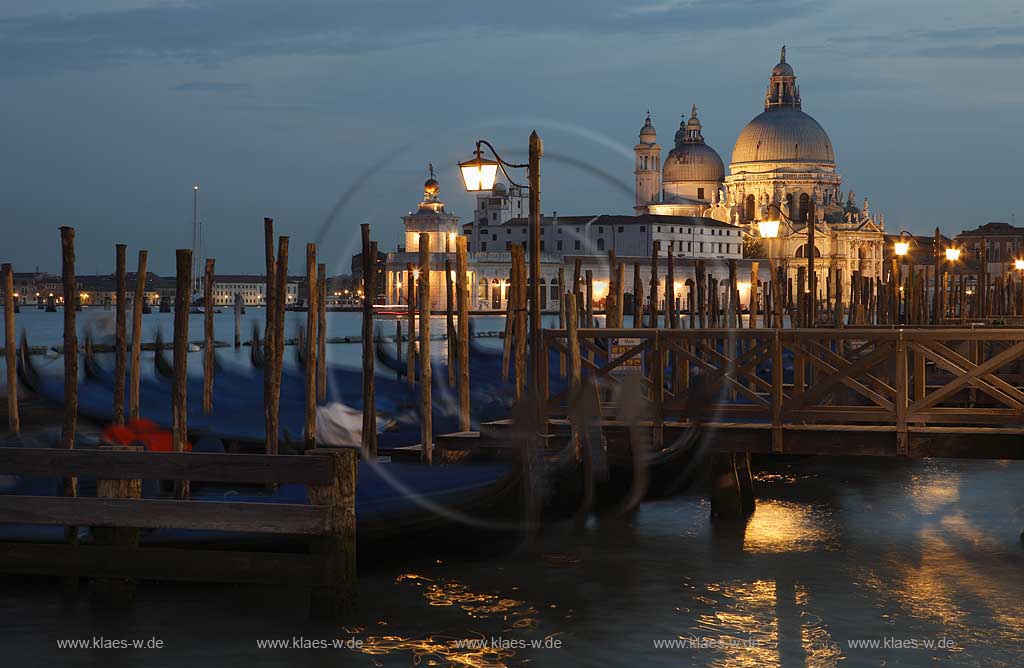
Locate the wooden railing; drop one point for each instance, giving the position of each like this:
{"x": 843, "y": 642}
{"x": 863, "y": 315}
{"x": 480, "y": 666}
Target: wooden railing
{"x": 787, "y": 379}
{"x": 327, "y": 522}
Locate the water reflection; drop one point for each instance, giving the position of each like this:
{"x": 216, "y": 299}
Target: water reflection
{"x": 783, "y": 527}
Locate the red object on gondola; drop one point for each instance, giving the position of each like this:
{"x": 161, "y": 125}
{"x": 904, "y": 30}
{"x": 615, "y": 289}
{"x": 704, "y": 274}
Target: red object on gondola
{"x": 141, "y": 432}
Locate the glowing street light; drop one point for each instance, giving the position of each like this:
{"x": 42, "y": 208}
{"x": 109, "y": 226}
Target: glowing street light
{"x": 952, "y": 254}
{"x": 901, "y": 248}
{"x": 1019, "y": 265}
{"x": 478, "y": 173}
{"x": 769, "y": 229}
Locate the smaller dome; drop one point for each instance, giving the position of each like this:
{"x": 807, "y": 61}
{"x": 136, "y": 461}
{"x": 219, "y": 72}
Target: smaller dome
{"x": 693, "y": 162}
{"x": 647, "y": 133}
{"x": 431, "y": 187}
{"x": 783, "y": 70}
{"x": 499, "y": 188}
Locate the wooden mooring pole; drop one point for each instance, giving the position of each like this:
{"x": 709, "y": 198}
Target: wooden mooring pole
{"x": 269, "y": 347}
{"x": 337, "y": 592}
{"x": 449, "y": 307}
{"x": 120, "y": 327}
{"x": 238, "y": 319}
{"x": 137, "y": 309}
{"x": 411, "y": 277}
{"x": 426, "y": 404}
{"x": 312, "y": 320}
{"x": 13, "y": 421}
{"x": 67, "y": 238}
{"x": 462, "y": 299}
{"x": 280, "y": 301}
{"x": 369, "y": 427}
{"x": 321, "y": 333}
{"x": 179, "y": 407}
{"x": 208, "y": 358}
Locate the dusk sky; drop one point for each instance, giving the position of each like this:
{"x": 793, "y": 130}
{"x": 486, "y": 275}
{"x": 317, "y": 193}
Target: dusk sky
{"x": 325, "y": 114}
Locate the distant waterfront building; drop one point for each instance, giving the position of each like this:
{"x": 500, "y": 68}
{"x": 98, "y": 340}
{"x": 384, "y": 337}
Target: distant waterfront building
{"x": 252, "y": 287}
{"x": 1003, "y": 243}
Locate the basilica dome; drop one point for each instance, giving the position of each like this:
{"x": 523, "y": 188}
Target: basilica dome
{"x": 783, "y": 134}
{"x": 692, "y": 159}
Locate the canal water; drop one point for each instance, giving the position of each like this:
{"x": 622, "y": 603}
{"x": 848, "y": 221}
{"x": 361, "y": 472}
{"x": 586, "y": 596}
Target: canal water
{"x": 846, "y": 562}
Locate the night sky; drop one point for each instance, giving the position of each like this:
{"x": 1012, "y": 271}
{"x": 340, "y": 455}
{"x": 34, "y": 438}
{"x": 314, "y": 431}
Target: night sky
{"x": 325, "y": 114}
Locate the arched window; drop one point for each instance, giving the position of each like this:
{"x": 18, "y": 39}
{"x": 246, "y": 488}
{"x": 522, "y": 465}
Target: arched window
{"x": 600, "y": 243}
{"x": 802, "y": 251}
{"x": 805, "y": 205}
{"x": 789, "y": 204}
{"x": 481, "y": 294}
{"x": 554, "y": 290}
{"x": 748, "y": 209}
{"x": 543, "y": 294}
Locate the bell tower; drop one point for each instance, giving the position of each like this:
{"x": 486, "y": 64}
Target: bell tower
{"x": 648, "y": 167}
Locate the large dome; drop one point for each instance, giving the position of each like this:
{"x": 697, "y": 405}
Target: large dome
{"x": 783, "y": 134}
{"x": 693, "y": 162}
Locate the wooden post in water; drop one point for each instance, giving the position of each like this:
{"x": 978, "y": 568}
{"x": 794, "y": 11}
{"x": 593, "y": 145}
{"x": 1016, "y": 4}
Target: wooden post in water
{"x": 589, "y": 281}
{"x": 811, "y": 309}
{"x": 638, "y": 298}
{"x": 312, "y": 320}
{"x": 450, "y": 320}
{"x": 462, "y": 300}
{"x": 137, "y": 308}
{"x": 655, "y": 251}
{"x": 610, "y": 306}
{"x": 321, "y": 332}
{"x": 426, "y": 404}
{"x": 735, "y": 314}
{"x": 369, "y": 427}
{"x": 620, "y": 280}
{"x": 120, "y": 334}
{"x": 117, "y": 591}
{"x": 410, "y": 362}
{"x": 670, "y": 292}
{"x": 510, "y": 311}
{"x": 561, "y": 317}
{"x": 208, "y": 358}
{"x": 238, "y": 319}
{"x": 67, "y": 239}
{"x": 269, "y": 345}
{"x": 753, "y": 293}
{"x": 519, "y": 325}
{"x": 280, "y": 300}
{"x": 337, "y": 545}
{"x": 179, "y": 407}
{"x": 577, "y": 287}
{"x": 13, "y": 421}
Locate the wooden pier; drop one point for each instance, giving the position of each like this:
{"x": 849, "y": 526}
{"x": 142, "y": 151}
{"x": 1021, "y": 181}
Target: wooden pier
{"x": 918, "y": 392}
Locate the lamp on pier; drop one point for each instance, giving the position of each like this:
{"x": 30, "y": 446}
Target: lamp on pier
{"x": 768, "y": 229}
{"x": 901, "y": 248}
{"x": 1018, "y": 264}
{"x": 479, "y": 173}
{"x": 952, "y": 254}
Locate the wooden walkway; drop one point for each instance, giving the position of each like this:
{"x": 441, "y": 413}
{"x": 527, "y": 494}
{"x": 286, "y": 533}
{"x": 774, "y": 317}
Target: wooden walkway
{"x": 919, "y": 392}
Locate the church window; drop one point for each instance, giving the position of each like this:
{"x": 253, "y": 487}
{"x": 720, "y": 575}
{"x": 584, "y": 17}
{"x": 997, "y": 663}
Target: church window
{"x": 700, "y": 193}
{"x": 494, "y": 216}
{"x": 542, "y": 245}
{"x": 508, "y": 231}
{"x": 748, "y": 209}
{"x": 689, "y": 246}
{"x": 494, "y": 237}
{"x": 671, "y": 230}
{"x": 805, "y": 204}
{"x": 702, "y": 247}
{"x": 600, "y": 243}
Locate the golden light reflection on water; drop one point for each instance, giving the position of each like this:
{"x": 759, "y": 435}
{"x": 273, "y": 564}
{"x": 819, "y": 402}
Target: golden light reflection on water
{"x": 751, "y": 623}
{"x": 445, "y": 650}
{"x": 779, "y": 526}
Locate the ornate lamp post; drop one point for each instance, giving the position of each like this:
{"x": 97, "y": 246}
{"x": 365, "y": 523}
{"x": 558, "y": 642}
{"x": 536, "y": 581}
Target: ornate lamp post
{"x": 809, "y": 246}
{"x": 479, "y": 173}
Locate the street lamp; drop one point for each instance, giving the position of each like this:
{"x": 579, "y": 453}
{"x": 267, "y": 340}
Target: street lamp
{"x": 1019, "y": 265}
{"x": 901, "y": 248}
{"x": 952, "y": 254}
{"x": 479, "y": 173}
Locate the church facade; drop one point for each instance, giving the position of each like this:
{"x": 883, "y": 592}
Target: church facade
{"x": 782, "y": 162}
